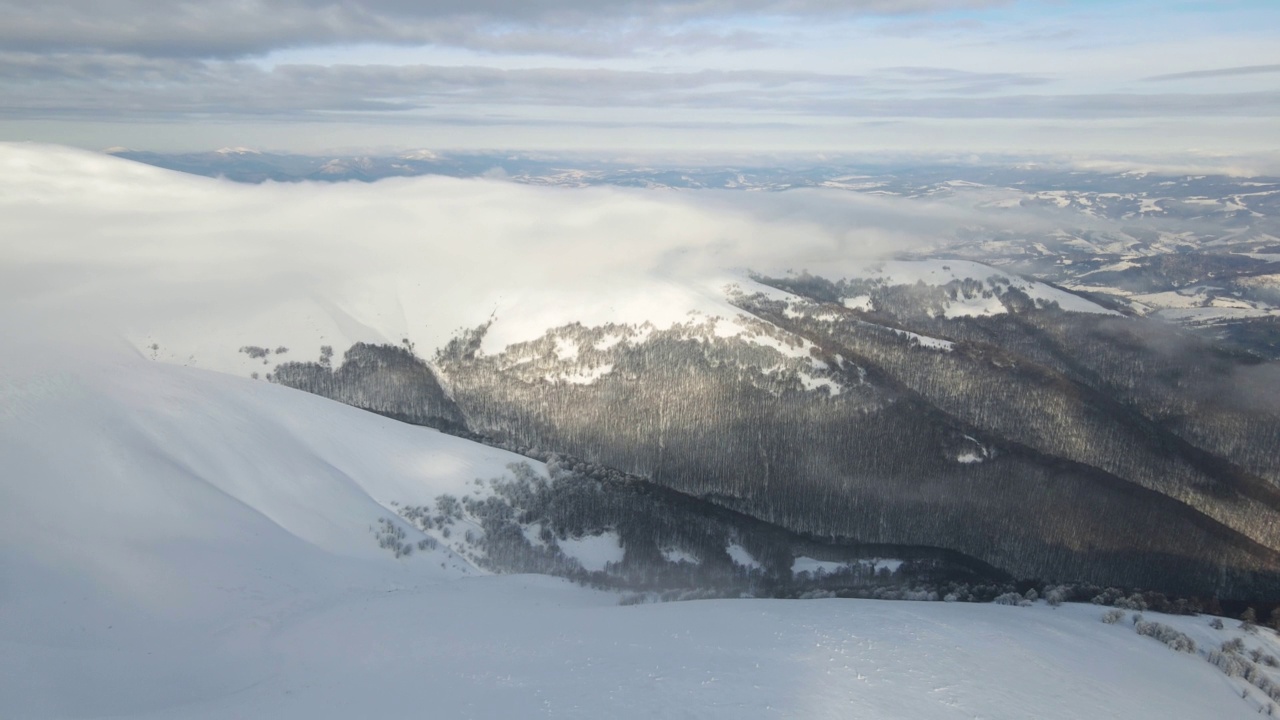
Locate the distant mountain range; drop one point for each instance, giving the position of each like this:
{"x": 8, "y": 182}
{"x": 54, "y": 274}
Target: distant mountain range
{"x": 1194, "y": 249}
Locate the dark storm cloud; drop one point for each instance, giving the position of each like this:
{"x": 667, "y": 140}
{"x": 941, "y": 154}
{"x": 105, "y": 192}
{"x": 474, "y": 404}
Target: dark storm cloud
{"x": 1217, "y": 73}
{"x": 238, "y": 28}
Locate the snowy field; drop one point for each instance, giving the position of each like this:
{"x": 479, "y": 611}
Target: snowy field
{"x": 527, "y": 646}
{"x": 176, "y": 543}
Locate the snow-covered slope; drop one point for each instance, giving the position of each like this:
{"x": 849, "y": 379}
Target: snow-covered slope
{"x": 114, "y": 445}
{"x": 941, "y": 272}
{"x": 179, "y": 543}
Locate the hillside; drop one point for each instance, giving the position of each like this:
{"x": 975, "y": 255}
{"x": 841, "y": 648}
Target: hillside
{"x": 182, "y": 544}
{"x": 182, "y": 538}
{"x": 927, "y": 402}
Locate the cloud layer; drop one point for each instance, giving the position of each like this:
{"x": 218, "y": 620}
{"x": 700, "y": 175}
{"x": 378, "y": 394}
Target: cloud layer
{"x": 676, "y": 72}
{"x": 183, "y": 28}
{"x": 101, "y": 244}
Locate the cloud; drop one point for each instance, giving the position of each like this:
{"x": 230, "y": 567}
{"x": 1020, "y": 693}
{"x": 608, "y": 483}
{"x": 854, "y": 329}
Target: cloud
{"x": 129, "y": 87}
{"x": 1252, "y": 165}
{"x": 1217, "y": 73}
{"x": 141, "y": 251}
{"x": 952, "y": 80}
{"x": 230, "y": 29}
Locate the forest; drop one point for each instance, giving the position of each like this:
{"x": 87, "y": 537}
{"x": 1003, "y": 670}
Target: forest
{"x": 1045, "y": 444}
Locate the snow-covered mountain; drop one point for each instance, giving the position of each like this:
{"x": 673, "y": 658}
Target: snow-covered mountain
{"x": 178, "y": 543}
{"x": 180, "y": 537}
{"x": 671, "y": 342}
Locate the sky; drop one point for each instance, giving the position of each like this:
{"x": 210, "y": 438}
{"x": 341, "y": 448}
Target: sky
{"x": 1088, "y": 78}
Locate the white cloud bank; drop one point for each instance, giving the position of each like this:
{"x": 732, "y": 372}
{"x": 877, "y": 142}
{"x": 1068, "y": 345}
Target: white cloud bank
{"x": 98, "y": 245}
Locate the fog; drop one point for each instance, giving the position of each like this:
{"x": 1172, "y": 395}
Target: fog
{"x": 200, "y": 267}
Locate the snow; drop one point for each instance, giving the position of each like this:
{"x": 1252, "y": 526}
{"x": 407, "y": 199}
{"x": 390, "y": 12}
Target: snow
{"x": 809, "y": 565}
{"x": 1259, "y": 281}
{"x": 584, "y": 376}
{"x": 317, "y": 471}
{"x": 533, "y": 533}
{"x": 1186, "y": 298}
{"x": 858, "y": 302}
{"x": 741, "y": 556}
{"x": 595, "y": 552}
{"x": 969, "y": 457}
{"x": 811, "y": 383}
{"x": 182, "y": 544}
{"x": 524, "y": 646}
{"x": 607, "y": 342}
{"x": 925, "y": 341}
{"x": 566, "y": 349}
{"x": 676, "y": 555}
{"x": 1203, "y": 304}
{"x": 1059, "y": 198}
{"x": 1114, "y": 267}
{"x": 1214, "y": 314}
{"x": 791, "y": 346}
{"x": 890, "y": 565}
{"x": 943, "y": 271}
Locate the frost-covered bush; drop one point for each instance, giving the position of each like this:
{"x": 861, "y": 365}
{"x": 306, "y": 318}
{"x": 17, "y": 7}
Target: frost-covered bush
{"x": 1216, "y": 624}
{"x": 1249, "y": 621}
{"x": 1113, "y": 616}
{"x": 1233, "y": 664}
{"x": 1167, "y": 635}
{"x": 1229, "y": 663}
{"x": 391, "y": 537}
{"x": 1133, "y": 602}
{"x": 1055, "y": 596}
{"x": 1012, "y": 598}
{"x": 1107, "y": 597}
